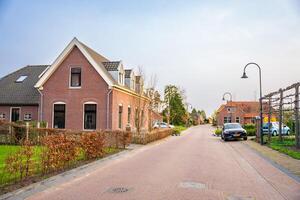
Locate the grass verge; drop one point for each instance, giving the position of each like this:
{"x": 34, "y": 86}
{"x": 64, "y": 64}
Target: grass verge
{"x": 287, "y": 146}
{"x": 9, "y": 183}
{"x": 178, "y": 129}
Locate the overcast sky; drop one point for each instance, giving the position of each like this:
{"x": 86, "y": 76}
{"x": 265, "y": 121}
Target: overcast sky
{"x": 201, "y": 46}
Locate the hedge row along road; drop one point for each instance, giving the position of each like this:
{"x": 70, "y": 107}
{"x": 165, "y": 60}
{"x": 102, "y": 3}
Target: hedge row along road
{"x": 195, "y": 165}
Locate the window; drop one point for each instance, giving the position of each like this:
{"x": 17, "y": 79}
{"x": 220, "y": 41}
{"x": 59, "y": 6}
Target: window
{"x": 75, "y": 77}
{"x": 21, "y": 79}
{"x": 15, "y": 114}
{"x": 2, "y": 116}
{"x": 227, "y": 120}
{"x": 136, "y": 117}
{"x": 237, "y": 119}
{"x": 121, "y": 78}
{"x": 27, "y": 117}
{"x": 129, "y": 115}
{"x": 90, "y": 116}
{"x": 132, "y": 84}
{"x": 230, "y": 109}
{"x": 142, "y": 118}
{"x": 120, "y": 115}
{"x": 59, "y": 116}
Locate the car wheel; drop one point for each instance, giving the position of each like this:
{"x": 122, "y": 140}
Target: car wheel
{"x": 288, "y": 132}
{"x": 274, "y": 133}
{"x": 225, "y": 139}
{"x": 245, "y": 138}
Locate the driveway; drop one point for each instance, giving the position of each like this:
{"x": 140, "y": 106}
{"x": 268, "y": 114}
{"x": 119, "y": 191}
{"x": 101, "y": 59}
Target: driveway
{"x": 195, "y": 165}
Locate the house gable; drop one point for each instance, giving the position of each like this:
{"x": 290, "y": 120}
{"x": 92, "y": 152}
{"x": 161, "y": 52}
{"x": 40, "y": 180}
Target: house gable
{"x": 93, "y": 58}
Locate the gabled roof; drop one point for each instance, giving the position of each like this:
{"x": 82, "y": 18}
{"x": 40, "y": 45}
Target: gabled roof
{"x": 111, "y": 65}
{"x": 93, "y": 57}
{"x": 128, "y": 73}
{"x": 244, "y": 106}
{"x": 21, "y": 93}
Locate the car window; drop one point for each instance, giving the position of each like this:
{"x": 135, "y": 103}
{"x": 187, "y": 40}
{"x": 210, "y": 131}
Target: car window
{"x": 232, "y": 126}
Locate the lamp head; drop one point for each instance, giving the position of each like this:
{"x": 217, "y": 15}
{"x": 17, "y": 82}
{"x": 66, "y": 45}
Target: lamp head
{"x": 244, "y": 75}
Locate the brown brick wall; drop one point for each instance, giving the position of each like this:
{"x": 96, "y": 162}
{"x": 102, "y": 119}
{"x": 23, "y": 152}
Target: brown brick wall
{"x": 93, "y": 88}
{"x": 33, "y": 110}
{"x": 224, "y": 113}
{"x": 124, "y": 99}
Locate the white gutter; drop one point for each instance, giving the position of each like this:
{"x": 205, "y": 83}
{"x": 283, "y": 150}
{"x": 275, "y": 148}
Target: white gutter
{"x": 107, "y": 108}
{"x": 41, "y": 106}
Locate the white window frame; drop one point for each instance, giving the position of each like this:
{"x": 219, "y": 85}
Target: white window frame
{"x": 21, "y": 79}
{"x": 58, "y": 102}
{"x": 129, "y": 107}
{"x": 10, "y": 113}
{"x": 87, "y": 103}
{"x": 2, "y": 116}
{"x": 70, "y": 77}
{"x": 227, "y": 119}
{"x": 25, "y": 117}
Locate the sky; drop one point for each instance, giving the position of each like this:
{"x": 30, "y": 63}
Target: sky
{"x": 200, "y": 46}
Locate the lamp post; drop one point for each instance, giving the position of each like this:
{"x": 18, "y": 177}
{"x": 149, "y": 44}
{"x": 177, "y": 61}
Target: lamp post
{"x": 260, "y": 98}
{"x": 230, "y": 100}
{"x": 230, "y": 96}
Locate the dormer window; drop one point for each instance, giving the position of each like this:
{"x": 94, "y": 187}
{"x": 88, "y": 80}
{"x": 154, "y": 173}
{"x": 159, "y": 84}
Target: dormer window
{"x": 121, "y": 78}
{"x": 75, "y": 77}
{"x": 132, "y": 84}
{"x": 21, "y": 79}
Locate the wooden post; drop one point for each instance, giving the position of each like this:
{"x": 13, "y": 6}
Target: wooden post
{"x": 38, "y": 125}
{"x": 269, "y": 121}
{"x": 297, "y": 123}
{"x": 27, "y": 131}
{"x": 280, "y": 114}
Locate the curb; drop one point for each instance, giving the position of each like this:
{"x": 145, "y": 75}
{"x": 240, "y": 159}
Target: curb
{"x": 273, "y": 163}
{"x": 76, "y": 173}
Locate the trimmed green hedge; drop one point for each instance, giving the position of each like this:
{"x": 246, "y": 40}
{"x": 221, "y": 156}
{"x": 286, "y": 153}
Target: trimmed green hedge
{"x": 218, "y": 132}
{"x": 250, "y": 128}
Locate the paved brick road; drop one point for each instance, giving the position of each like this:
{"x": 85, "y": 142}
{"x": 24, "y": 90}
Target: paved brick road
{"x": 194, "y": 166}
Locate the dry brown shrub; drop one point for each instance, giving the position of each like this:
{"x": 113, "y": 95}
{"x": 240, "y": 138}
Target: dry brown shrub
{"x": 58, "y": 151}
{"x": 117, "y": 138}
{"x": 92, "y": 144}
{"x": 20, "y": 164}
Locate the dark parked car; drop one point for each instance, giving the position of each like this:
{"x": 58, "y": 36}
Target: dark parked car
{"x": 233, "y": 131}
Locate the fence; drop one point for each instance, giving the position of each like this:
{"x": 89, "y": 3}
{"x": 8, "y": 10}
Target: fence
{"x": 30, "y": 153}
{"x": 156, "y": 134}
{"x": 284, "y": 103}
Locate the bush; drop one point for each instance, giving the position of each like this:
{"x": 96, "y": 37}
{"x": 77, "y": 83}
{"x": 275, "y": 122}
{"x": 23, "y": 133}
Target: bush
{"x": 92, "y": 144}
{"x": 58, "y": 151}
{"x": 20, "y": 164}
{"x": 218, "y": 132}
{"x": 176, "y": 132}
{"x": 150, "y": 137}
{"x": 250, "y": 128}
{"x": 178, "y": 129}
{"x": 117, "y": 138}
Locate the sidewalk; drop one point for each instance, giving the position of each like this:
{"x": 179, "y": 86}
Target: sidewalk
{"x": 289, "y": 163}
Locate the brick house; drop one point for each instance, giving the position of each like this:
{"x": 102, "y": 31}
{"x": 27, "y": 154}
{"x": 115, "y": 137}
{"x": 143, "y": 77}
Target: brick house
{"x": 81, "y": 90}
{"x": 243, "y": 112}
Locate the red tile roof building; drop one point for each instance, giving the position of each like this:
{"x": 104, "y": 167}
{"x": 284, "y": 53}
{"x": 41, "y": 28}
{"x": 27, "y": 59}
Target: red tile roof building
{"x": 243, "y": 112}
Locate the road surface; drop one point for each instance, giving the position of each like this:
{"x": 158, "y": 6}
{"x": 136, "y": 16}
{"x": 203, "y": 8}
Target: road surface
{"x": 195, "y": 165}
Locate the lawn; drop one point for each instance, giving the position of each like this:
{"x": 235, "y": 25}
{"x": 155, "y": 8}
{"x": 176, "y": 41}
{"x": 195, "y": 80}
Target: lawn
{"x": 6, "y": 150}
{"x": 287, "y": 146}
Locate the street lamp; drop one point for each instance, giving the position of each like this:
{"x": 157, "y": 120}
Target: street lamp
{"x": 260, "y": 98}
{"x": 230, "y": 100}
{"x": 230, "y": 96}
